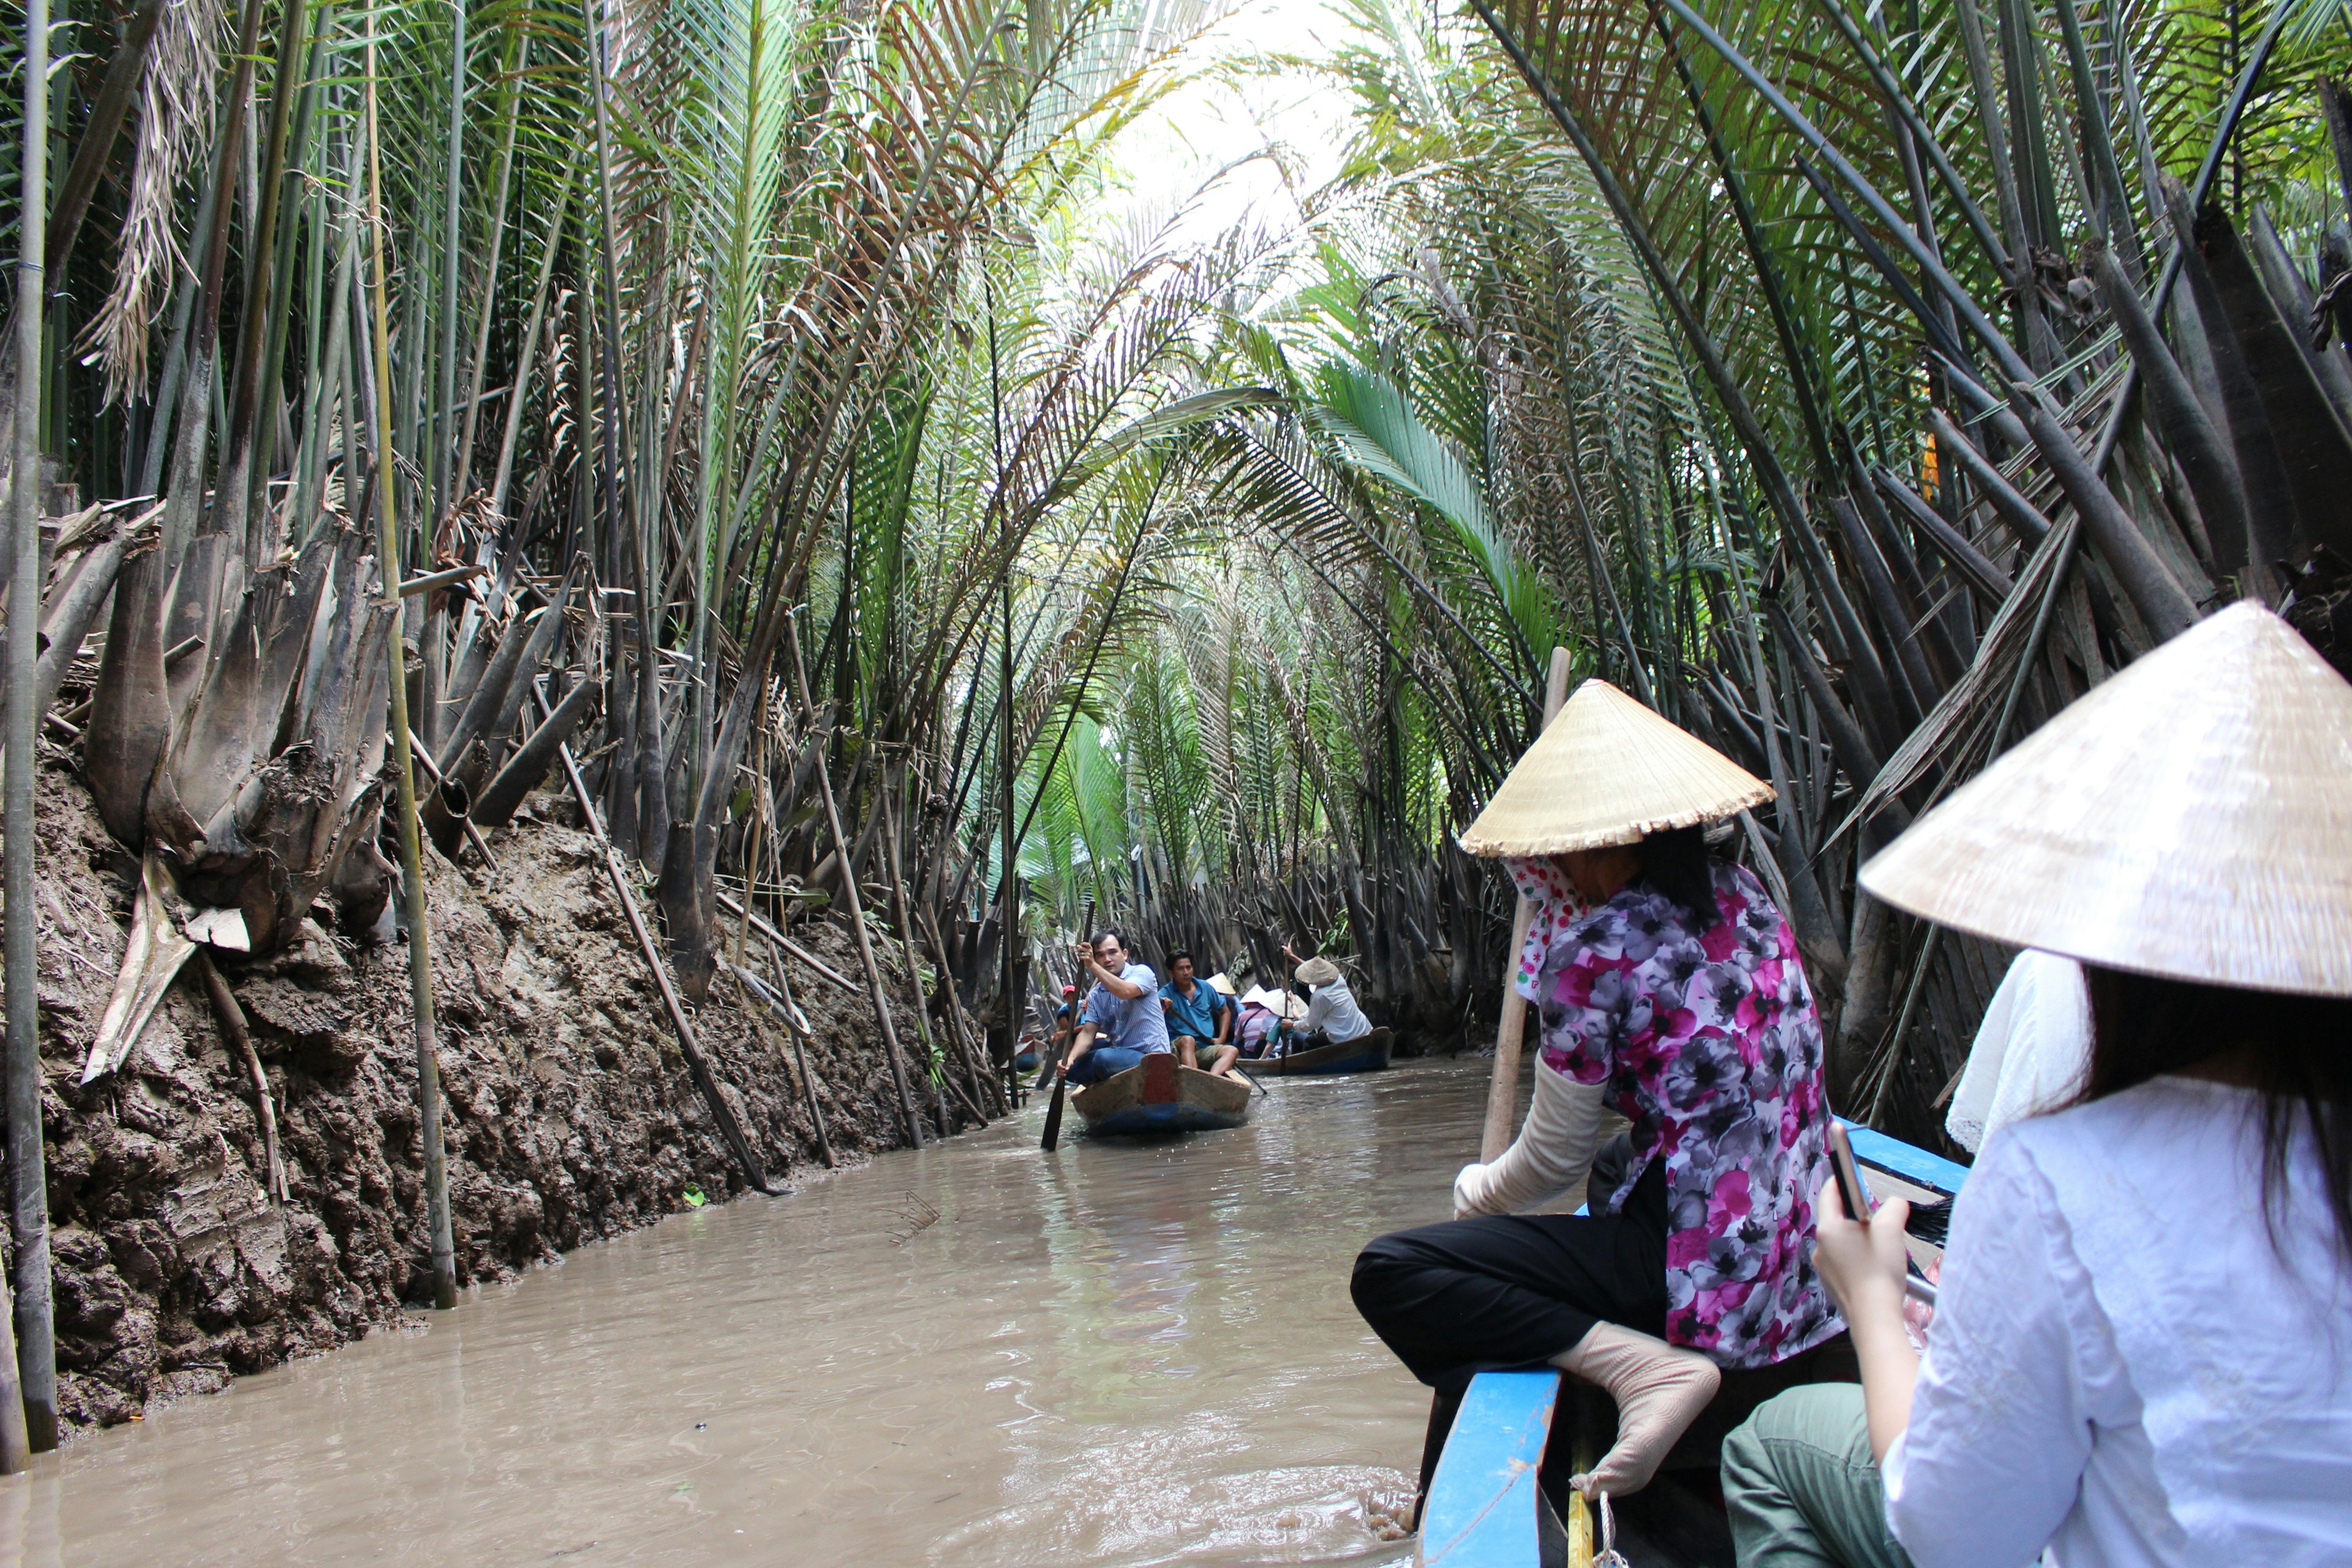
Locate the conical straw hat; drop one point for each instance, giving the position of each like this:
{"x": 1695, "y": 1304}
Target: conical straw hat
{"x": 2190, "y": 816}
{"x": 1606, "y": 771}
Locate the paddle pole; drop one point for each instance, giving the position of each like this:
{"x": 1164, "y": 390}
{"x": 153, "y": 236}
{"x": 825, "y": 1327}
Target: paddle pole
{"x": 1502, "y": 1093}
{"x": 1054, "y": 1111}
{"x": 1061, "y": 1077}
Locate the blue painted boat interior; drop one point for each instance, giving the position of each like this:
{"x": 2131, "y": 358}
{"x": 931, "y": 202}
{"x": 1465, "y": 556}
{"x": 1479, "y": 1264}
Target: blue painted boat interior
{"x": 1485, "y": 1510}
{"x": 1913, "y": 1164}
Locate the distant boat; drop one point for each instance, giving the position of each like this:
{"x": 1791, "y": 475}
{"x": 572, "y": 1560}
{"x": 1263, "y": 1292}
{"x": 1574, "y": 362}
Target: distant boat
{"x": 1158, "y": 1095}
{"x": 1026, "y": 1060}
{"x": 1366, "y": 1053}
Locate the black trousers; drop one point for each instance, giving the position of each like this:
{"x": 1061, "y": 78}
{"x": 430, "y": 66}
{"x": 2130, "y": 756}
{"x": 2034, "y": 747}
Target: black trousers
{"x": 1514, "y": 1291}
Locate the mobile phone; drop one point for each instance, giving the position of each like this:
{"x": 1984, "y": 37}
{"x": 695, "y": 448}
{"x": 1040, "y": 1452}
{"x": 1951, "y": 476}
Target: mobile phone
{"x": 1851, "y": 1192}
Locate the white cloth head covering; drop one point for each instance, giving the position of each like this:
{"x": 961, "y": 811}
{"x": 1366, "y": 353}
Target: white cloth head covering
{"x": 2031, "y": 1052}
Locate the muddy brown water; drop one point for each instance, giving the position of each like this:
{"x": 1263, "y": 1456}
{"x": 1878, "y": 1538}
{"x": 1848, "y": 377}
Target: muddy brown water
{"x": 1117, "y": 1354}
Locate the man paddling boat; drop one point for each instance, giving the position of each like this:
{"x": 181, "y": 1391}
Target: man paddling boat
{"x": 1122, "y": 1023}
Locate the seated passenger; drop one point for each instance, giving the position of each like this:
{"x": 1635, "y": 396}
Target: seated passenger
{"x": 2142, "y": 1351}
{"x": 1257, "y": 1028}
{"x": 1122, "y": 1023}
{"x": 1200, "y": 1019}
{"x": 1332, "y": 1016}
{"x": 1669, "y": 987}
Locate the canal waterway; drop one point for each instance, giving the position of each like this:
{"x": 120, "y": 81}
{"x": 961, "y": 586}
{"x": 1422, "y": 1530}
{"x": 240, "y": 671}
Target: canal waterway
{"x": 977, "y": 1354}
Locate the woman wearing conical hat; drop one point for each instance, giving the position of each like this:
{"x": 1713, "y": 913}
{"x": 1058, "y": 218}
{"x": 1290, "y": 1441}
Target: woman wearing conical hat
{"x": 2142, "y": 1349}
{"x": 1669, "y": 986}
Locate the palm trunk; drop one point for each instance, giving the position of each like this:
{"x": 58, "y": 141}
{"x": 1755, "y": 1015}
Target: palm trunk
{"x": 28, "y": 1195}
{"x": 412, "y": 860}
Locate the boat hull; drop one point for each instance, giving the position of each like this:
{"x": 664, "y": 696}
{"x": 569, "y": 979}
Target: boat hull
{"x": 1368, "y": 1054}
{"x": 1157, "y": 1096}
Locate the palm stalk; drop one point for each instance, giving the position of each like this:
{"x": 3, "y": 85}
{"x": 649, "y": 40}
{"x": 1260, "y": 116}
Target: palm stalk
{"x": 28, "y": 1202}
{"x": 441, "y": 1244}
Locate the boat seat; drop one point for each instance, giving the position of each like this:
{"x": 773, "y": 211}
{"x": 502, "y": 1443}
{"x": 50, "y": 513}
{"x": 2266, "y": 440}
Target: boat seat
{"x": 1160, "y": 1079}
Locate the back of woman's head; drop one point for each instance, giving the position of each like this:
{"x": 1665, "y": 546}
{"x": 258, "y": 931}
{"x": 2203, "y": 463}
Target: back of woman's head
{"x": 1675, "y": 863}
{"x": 2295, "y": 1050}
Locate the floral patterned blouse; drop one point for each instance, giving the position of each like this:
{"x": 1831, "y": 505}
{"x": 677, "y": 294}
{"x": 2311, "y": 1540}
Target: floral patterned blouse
{"x": 1711, "y": 1047}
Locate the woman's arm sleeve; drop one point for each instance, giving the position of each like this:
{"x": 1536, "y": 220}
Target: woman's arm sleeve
{"x": 1993, "y": 1461}
{"x": 1552, "y": 1152}
{"x": 1319, "y": 1010}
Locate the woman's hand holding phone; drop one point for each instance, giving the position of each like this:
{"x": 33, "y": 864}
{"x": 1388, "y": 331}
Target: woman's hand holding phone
{"x": 1862, "y": 1261}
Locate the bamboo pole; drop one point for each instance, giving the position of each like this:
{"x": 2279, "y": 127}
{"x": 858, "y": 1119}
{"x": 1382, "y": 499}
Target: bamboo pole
{"x": 797, "y": 1028}
{"x": 28, "y": 1196}
{"x": 688, "y": 1046}
{"x": 964, "y": 1053}
{"x": 848, "y": 851}
{"x": 411, "y": 857}
{"x": 1502, "y": 1093}
{"x": 936, "y": 1058}
{"x": 778, "y": 939}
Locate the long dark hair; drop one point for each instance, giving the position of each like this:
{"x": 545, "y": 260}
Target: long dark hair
{"x": 2296, "y": 1050}
{"x": 1675, "y": 863}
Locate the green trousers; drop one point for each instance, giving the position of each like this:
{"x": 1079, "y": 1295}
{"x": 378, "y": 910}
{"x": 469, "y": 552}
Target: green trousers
{"x": 1802, "y": 1488}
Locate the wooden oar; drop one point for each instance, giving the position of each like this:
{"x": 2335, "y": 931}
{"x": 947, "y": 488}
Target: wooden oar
{"x": 1054, "y": 1111}
{"x": 1062, "y": 1078}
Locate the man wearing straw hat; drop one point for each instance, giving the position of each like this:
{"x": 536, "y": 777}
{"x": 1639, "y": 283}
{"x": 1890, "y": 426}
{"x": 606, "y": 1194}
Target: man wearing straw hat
{"x": 1668, "y": 986}
{"x": 1333, "y": 1016}
{"x": 2142, "y": 1347}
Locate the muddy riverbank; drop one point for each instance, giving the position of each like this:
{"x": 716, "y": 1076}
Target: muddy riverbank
{"x": 572, "y": 1116}
{"x": 1116, "y": 1355}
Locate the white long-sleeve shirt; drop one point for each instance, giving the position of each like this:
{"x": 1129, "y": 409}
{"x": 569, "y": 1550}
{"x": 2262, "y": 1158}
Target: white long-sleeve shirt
{"x": 1332, "y": 1009}
{"x": 2123, "y": 1367}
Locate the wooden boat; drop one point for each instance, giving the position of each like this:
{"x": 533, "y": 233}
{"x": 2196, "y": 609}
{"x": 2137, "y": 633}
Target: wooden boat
{"x": 1158, "y": 1096}
{"x": 1367, "y": 1052}
{"x": 1499, "y": 1498}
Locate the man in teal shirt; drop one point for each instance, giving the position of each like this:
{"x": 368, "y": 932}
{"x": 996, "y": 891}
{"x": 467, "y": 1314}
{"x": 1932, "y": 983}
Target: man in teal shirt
{"x": 1199, "y": 1018}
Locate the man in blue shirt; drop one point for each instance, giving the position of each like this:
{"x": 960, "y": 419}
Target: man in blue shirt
{"x": 1199, "y": 1018}
{"x": 1122, "y": 1023}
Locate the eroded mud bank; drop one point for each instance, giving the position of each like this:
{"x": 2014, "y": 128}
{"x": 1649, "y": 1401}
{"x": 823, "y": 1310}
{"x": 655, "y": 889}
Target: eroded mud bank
{"x": 570, "y": 1113}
